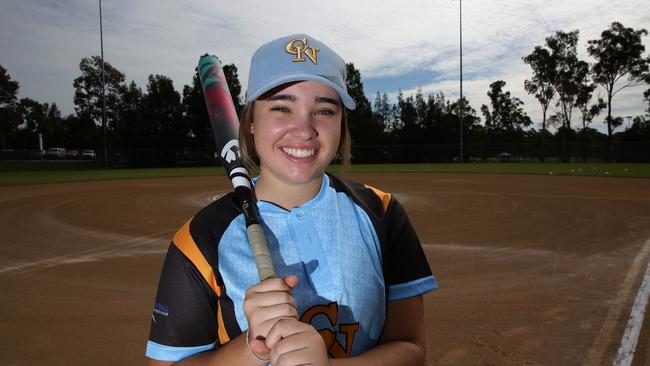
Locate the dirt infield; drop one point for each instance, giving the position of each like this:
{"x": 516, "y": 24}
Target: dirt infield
{"x": 534, "y": 270}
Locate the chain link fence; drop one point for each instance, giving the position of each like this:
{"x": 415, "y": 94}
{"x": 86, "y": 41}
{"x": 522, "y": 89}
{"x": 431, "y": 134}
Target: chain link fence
{"x": 638, "y": 152}
{"x": 522, "y": 152}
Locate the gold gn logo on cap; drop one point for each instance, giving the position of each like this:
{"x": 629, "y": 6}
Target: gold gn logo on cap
{"x": 300, "y": 48}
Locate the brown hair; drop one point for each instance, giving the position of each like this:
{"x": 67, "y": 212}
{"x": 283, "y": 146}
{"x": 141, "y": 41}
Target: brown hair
{"x": 249, "y": 153}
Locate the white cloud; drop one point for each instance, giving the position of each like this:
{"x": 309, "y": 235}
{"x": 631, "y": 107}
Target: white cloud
{"x": 43, "y": 42}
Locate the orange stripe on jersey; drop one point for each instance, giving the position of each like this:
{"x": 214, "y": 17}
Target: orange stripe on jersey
{"x": 184, "y": 242}
{"x": 221, "y": 328}
{"x": 383, "y": 196}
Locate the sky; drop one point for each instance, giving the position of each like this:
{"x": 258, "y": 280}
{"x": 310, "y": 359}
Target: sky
{"x": 396, "y": 47}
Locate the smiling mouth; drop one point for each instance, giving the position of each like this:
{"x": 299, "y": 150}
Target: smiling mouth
{"x": 298, "y": 153}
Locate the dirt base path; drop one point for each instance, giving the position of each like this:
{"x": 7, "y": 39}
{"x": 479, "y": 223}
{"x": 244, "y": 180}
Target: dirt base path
{"x": 534, "y": 270}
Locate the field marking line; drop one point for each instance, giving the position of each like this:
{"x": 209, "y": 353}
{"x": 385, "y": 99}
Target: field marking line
{"x": 625, "y": 353}
{"x": 49, "y": 262}
{"x": 605, "y": 335}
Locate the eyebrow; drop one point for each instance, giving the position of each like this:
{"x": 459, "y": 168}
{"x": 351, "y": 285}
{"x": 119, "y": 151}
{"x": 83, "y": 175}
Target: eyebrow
{"x": 327, "y": 100}
{"x": 289, "y": 97}
{"x": 292, "y": 98}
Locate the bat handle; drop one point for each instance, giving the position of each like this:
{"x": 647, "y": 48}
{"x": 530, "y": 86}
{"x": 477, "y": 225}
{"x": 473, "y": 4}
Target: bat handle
{"x": 260, "y": 251}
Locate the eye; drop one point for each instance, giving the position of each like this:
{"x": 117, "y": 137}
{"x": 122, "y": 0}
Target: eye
{"x": 325, "y": 112}
{"x": 280, "y": 108}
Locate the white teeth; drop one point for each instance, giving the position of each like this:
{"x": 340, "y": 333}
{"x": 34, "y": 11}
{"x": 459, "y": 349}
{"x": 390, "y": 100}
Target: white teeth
{"x": 298, "y": 153}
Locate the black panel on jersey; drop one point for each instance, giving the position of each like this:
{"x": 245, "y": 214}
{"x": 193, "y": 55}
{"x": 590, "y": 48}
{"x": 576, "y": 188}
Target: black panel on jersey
{"x": 183, "y": 298}
{"x": 404, "y": 263}
{"x": 209, "y": 224}
{"x": 207, "y": 228}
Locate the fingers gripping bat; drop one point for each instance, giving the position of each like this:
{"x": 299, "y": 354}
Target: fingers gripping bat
{"x": 225, "y": 127}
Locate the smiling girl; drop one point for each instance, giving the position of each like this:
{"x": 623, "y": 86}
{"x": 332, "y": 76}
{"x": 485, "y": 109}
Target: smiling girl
{"x": 351, "y": 269}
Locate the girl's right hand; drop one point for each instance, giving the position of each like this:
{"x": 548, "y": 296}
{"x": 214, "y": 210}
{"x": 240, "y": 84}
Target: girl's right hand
{"x": 266, "y": 303}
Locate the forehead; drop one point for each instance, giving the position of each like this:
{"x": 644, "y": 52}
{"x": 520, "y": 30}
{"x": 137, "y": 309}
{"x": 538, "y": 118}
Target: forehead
{"x": 302, "y": 88}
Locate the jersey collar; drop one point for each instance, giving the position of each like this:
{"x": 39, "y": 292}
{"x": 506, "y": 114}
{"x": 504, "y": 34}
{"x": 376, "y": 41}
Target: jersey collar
{"x": 270, "y": 207}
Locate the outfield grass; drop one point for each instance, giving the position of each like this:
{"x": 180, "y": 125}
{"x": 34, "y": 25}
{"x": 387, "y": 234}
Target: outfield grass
{"x": 630, "y": 170}
{"x": 21, "y": 174}
{"x": 22, "y": 177}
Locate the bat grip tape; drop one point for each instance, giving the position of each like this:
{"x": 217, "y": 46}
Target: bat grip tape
{"x": 260, "y": 250}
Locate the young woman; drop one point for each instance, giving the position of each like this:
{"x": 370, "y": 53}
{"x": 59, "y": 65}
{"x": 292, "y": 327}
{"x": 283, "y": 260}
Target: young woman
{"x": 351, "y": 269}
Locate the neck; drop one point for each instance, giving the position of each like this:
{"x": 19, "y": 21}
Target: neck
{"x": 286, "y": 195}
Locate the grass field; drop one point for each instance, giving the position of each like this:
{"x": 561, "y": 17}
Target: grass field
{"x": 23, "y": 173}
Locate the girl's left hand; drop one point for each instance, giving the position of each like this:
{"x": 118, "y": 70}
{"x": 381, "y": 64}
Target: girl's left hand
{"x": 293, "y": 342}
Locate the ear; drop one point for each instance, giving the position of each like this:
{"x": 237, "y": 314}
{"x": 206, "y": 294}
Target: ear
{"x": 252, "y": 131}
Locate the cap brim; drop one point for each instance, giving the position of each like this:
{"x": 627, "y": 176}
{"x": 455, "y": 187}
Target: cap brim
{"x": 348, "y": 102}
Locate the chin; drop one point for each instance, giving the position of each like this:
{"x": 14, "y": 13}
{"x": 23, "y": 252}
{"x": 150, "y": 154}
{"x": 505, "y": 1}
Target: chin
{"x": 303, "y": 177}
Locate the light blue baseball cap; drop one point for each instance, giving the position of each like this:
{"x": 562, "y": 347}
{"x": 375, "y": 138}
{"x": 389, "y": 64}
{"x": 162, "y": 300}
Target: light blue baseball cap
{"x": 296, "y": 57}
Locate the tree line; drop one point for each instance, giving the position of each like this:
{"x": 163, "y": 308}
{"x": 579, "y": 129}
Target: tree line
{"x": 161, "y": 117}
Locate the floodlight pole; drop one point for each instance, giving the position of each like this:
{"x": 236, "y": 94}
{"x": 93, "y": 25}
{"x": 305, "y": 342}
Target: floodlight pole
{"x": 101, "y": 38}
{"x": 461, "y": 104}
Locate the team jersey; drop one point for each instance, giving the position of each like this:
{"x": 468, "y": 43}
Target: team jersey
{"x": 352, "y": 248}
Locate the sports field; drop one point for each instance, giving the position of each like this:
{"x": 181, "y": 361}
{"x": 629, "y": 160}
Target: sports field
{"x": 533, "y": 269}
{"x": 39, "y": 172}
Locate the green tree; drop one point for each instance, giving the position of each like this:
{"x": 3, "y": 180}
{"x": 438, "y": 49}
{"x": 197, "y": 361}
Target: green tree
{"x": 588, "y": 111}
{"x": 364, "y": 129}
{"x": 646, "y": 94}
{"x": 129, "y": 128}
{"x": 409, "y": 131}
{"x": 381, "y": 109}
{"x": 384, "y": 113}
{"x": 505, "y": 120}
{"x": 473, "y": 131}
{"x": 440, "y": 122}
{"x": 195, "y": 114}
{"x": 88, "y": 90}
{"x": 632, "y": 143}
{"x": 162, "y": 113}
{"x": 570, "y": 73}
{"x": 80, "y": 131}
{"x": 420, "y": 107}
{"x": 639, "y": 131}
{"x": 8, "y": 88}
{"x": 32, "y": 117}
{"x": 232, "y": 78}
{"x": 39, "y": 118}
{"x": 437, "y": 126}
{"x": 541, "y": 84}
{"x": 618, "y": 53}
{"x": 471, "y": 120}
{"x": 52, "y": 128}
{"x": 8, "y": 99}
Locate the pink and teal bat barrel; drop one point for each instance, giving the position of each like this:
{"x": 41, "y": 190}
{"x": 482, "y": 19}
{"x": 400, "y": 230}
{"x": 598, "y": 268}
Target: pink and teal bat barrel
{"x": 225, "y": 127}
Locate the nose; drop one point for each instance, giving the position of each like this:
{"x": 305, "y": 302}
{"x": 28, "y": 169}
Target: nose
{"x": 304, "y": 126}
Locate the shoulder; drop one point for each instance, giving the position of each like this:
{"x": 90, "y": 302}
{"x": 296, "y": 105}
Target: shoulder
{"x": 368, "y": 197}
{"x": 215, "y": 218}
{"x": 221, "y": 211}
{"x": 204, "y": 230}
